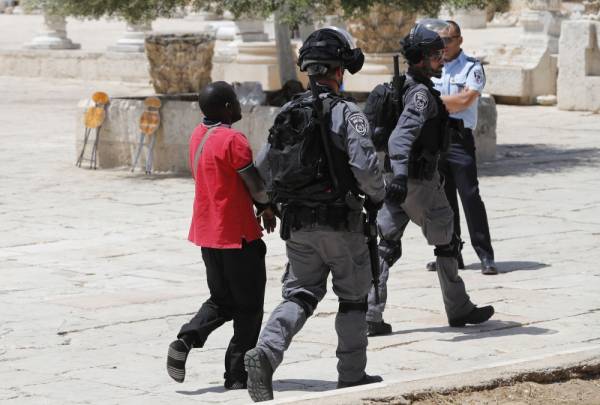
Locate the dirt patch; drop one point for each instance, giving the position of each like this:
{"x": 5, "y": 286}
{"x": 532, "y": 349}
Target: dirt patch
{"x": 575, "y": 391}
{"x": 579, "y": 384}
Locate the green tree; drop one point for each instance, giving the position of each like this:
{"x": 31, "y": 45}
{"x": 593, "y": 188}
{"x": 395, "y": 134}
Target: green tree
{"x": 296, "y": 11}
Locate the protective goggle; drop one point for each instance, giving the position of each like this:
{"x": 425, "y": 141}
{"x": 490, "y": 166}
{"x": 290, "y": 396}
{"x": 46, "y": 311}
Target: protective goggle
{"x": 447, "y": 40}
{"x": 436, "y": 55}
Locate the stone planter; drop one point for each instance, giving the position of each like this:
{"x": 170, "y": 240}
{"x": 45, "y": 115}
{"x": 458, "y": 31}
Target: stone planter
{"x": 180, "y": 63}
{"x": 381, "y": 30}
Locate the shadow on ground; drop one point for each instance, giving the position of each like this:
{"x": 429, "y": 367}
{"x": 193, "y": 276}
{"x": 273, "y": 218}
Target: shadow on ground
{"x": 492, "y": 328}
{"x": 498, "y": 328}
{"x": 527, "y": 159}
{"x": 510, "y": 266}
{"x": 278, "y": 386}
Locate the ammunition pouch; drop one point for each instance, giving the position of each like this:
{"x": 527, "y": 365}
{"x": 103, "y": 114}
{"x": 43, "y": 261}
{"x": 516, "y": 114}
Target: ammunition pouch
{"x": 297, "y": 217}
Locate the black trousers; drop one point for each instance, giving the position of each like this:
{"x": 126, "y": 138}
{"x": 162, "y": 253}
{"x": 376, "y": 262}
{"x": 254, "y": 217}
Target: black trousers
{"x": 236, "y": 280}
{"x": 459, "y": 169}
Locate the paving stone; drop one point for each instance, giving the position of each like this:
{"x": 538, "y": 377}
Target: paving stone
{"x": 97, "y": 274}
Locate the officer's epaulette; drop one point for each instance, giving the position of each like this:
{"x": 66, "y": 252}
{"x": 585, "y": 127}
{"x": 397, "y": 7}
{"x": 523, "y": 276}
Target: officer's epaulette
{"x": 472, "y": 59}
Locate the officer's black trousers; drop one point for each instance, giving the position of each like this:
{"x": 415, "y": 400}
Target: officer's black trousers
{"x": 459, "y": 169}
{"x": 236, "y": 280}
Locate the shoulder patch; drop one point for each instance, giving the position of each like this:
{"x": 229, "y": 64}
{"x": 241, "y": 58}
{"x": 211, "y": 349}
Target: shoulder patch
{"x": 421, "y": 100}
{"x": 478, "y": 76}
{"x": 358, "y": 121}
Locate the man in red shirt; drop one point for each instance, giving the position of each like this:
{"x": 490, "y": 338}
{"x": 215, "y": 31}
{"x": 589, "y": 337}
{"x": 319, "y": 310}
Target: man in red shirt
{"x": 224, "y": 225}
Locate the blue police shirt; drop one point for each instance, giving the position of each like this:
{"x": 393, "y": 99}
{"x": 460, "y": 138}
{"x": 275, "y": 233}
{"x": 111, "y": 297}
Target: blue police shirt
{"x": 463, "y": 71}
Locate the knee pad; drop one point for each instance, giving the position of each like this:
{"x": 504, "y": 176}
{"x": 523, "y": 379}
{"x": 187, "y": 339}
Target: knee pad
{"x": 307, "y": 302}
{"x": 450, "y": 250}
{"x": 347, "y": 306}
{"x": 390, "y": 251}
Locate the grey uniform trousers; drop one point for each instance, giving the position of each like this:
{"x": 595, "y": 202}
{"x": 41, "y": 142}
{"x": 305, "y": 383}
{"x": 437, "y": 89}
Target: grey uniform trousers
{"x": 425, "y": 205}
{"x": 313, "y": 253}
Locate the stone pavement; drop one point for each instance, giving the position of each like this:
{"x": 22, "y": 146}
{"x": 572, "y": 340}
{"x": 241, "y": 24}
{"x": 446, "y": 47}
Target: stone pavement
{"x": 97, "y": 275}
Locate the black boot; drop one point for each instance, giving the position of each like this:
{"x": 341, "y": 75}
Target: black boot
{"x": 379, "y": 328}
{"x": 477, "y": 315}
{"x": 260, "y": 375}
{"x": 367, "y": 379}
{"x": 488, "y": 267}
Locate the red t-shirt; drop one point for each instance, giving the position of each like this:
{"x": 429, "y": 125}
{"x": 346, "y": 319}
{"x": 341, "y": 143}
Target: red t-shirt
{"x": 223, "y": 212}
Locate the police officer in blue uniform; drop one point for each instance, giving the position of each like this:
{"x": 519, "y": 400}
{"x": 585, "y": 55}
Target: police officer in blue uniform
{"x": 461, "y": 84}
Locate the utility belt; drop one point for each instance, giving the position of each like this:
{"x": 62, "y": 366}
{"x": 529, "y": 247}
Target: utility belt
{"x": 458, "y": 132}
{"x": 423, "y": 167}
{"x": 295, "y": 217}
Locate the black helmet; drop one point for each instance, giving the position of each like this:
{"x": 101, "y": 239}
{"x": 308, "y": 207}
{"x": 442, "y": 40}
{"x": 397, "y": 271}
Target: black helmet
{"x": 419, "y": 43}
{"x": 327, "y": 48}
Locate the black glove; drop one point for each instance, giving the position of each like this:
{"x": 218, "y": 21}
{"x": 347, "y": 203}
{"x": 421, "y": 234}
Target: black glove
{"x": 396, "y": 190}
{"x": 372, "y": 206}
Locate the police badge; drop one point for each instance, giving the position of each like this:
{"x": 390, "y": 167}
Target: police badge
{"x": 421, "y": 100}
{"x": 359, "y": 123}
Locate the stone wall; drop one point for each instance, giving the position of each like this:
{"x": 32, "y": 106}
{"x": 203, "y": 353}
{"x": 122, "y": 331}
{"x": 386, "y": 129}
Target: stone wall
{"x": 119, "y": 135}
{"x": 104, "y": 66}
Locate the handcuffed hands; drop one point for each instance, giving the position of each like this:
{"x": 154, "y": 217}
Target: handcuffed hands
{"x": 268, "y": 220}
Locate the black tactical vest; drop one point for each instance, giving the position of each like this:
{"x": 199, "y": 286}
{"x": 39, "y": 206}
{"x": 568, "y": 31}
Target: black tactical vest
{"x": 434, "y": 134}
{"x": 299, "y": 167}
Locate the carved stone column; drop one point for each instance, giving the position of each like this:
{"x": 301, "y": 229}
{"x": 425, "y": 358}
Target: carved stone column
{"x": 53, "y": 35}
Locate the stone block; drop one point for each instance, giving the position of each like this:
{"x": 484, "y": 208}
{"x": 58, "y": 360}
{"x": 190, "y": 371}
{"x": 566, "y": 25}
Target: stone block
{"x": 517, "y": 81}
{"x": 485, "y": 132}
{"x": 579, "y": 66}
{"x": 518, "y": 73}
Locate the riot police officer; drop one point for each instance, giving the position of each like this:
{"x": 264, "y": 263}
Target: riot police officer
{"x": 317, "y": 175}
{"x": 414, "y": 189}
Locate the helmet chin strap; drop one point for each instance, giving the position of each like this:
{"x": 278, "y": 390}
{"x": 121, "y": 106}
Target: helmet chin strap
{"x": 429, "y": 71}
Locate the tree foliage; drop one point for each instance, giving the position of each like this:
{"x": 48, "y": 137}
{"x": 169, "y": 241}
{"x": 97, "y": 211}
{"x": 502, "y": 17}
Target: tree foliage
{"x": 294, "y": 11}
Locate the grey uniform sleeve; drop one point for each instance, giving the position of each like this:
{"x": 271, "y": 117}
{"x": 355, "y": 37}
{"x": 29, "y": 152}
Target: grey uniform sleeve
{"x": 361, "y": 152}
{"x": 419, "y": 106}
{"x": 254, "y": 183}
{"x": 262, "y": 166}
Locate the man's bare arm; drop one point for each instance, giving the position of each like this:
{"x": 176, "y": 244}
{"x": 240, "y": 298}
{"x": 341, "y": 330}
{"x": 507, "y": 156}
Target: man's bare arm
{"x": 460, "y": 101}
